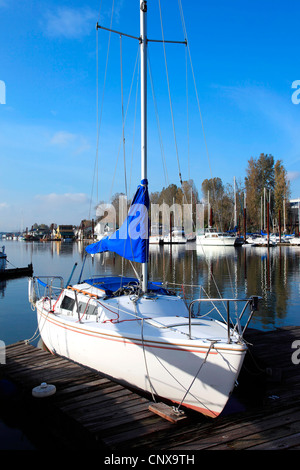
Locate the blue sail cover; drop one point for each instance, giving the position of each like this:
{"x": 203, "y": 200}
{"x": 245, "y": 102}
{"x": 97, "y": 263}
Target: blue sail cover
{"x": 131, "y": 240}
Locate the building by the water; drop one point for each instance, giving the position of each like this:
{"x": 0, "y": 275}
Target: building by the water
{"x": 295, "y": 210}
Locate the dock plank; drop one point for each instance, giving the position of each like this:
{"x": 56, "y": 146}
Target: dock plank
{"x": 99, "y": 413}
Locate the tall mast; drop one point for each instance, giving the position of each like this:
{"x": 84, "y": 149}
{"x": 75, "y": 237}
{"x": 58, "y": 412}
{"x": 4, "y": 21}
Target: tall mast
{"x": 235, "y": 205}
{"x": 143, "y": 50}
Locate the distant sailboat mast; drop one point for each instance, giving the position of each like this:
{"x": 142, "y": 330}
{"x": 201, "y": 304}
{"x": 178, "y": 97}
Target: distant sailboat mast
{"x": 143, "y": 50}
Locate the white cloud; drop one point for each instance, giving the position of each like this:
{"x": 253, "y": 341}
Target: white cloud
{"x": 62, "y": 199}
{"x": 293, "y": 175}
{"x": 62, "y": 138}
{"x": 70, "y": 23}
{"x": 78, "y": 142}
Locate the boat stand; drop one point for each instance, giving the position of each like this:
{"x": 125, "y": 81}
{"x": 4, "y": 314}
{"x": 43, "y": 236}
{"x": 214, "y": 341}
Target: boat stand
{"x": 167, "y": 412}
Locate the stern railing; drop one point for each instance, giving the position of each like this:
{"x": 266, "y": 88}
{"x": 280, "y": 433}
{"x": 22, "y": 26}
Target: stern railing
{"x": 252, "y": 302}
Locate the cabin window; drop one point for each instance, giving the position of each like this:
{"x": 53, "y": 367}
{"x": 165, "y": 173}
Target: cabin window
{"x": 67, "y": 303}
{"x": 88, "y": 310}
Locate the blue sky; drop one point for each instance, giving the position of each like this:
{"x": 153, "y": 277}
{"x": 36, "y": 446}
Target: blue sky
{"x": 245, "y": 57}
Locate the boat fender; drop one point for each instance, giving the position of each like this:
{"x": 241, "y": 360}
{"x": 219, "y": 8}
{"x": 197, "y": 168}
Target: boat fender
{"x": 31, "y": 291}
{"x": 43, "y": 390}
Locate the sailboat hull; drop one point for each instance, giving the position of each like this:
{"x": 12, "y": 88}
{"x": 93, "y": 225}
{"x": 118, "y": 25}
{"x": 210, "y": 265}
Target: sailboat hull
{"x": 218, "y": 241}
{"x": 196, "y": 373}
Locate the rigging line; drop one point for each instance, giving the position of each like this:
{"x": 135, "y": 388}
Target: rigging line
{"x": 194, "y": 80}
{"x": 196, "y": 91}
{"x": 97, "y": 97}
{"x": 99, "y": 119}
{"x": 146, "y": 363}
{"x": 97, "y": 138}
{"x": 99, "y": 10}
{"x": 212, "y": 276}
{"x": 97, "y": 111}
{"x": 187, "y": 110}
{"x": 136, "y": 61}
{"x": 173, "y": 124}
{"x": 181, "y": 385}
{"x": 197, "y": 97}
{"x": 134, "y": 124}
{"x": 123, "y": 123}
{"x": 158, "y": 125}
{"x": 201, "y": 365}
{"x": 135, "y": 271}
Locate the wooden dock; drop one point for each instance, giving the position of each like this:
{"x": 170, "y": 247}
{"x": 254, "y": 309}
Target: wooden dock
{"x": 88, "y": 411}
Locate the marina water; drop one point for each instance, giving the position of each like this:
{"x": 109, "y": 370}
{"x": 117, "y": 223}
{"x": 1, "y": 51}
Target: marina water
{"x": 273, "y": 274}
{"x": 233, "y": 272}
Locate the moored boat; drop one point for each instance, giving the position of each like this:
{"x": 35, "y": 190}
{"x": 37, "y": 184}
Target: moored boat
{"x": 10, "y": 273}
{"x": 150, "y": 341}
{"x": 211, "y": 237}
{"x": 137, "y": 331}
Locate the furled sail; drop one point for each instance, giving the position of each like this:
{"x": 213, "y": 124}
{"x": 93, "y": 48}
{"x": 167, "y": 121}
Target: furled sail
{"x": 131, "y": 240}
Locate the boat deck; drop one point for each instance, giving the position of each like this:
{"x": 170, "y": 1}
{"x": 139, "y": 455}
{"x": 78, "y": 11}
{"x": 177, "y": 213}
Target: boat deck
{"x": 93, "y": 412}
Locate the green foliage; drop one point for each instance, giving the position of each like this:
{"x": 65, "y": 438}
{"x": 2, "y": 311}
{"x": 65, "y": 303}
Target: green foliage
{"x": 266, "y": 184}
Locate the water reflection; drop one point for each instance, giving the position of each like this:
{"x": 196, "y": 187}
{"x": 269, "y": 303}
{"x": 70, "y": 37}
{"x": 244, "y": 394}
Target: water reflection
{"x": 273, "y": 274}
{"x": 2, "y": 288}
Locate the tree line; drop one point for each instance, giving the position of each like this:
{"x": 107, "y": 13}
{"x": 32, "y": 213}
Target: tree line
{"x": 263, "y": 195}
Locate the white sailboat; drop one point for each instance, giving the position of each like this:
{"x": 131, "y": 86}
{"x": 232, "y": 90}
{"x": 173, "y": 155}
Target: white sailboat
{"x": 211, "y": 237}
{"x": 261, "y": 240}
{"x": 138, "y": 332}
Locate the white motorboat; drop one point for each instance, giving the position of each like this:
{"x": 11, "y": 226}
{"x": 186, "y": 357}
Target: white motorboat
{"x": 138, "y": 332}
{"x": 155, "y": 237}
{"x": 211, "y": 237}
{"x": 155, "y": 240}
{"x": 176, "y": 236}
